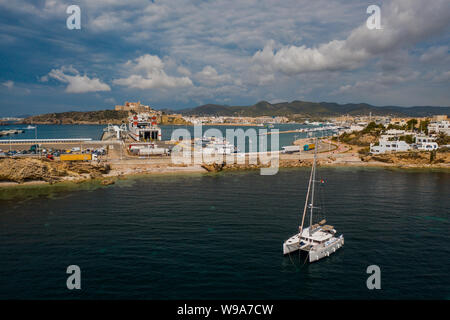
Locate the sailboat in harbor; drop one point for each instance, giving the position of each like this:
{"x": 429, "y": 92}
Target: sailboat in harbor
{"x": 318, "y": 240}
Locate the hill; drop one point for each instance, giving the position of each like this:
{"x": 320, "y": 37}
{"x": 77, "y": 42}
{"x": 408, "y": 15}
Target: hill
{"x": 295, "y": 110}
{"x": 304, "y": 109}
{"x": 80, "y": 117}
{"x": 96, "y": 117}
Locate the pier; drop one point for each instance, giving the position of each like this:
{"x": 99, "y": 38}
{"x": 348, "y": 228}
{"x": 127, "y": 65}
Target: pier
{"x": 40, "y": 141}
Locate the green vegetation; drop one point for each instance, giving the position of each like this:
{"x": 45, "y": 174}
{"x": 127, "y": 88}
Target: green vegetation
{"x": 396, "y": 127}
{"x": 407, "y": 138}
{"x": 423, "y": 126}
{"x": 432, "y": 156}
{"x": 442, "y": 139}
{"x": 364, "y": 137}
{"x": 101, "y": 116}
{"x": 373, "y": 128}
{"x": 411, "y": 124}
{"x": 299, "y": 110}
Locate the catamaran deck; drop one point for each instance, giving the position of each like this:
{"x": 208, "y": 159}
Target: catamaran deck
{"x": 318, "y": 235}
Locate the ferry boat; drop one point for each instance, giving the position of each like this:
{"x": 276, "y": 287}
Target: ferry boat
{"x": 143, "y": 128}
{"x": 318, "y": 240}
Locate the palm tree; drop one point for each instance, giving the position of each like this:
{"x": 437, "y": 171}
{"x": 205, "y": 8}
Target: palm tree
{"x": 442, "y": 139}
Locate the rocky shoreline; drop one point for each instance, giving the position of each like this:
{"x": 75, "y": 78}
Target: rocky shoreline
{"x": 23, "y": 170}
{"x": 28, "y": 171}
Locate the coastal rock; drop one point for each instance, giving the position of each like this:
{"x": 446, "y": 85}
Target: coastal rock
{"x": 411, "y": 158}
{"x": 107, "y": 182}
{"x": 29, "y": 169}
{"x": 20, "y": 170}
{"x": 213, "y": 167}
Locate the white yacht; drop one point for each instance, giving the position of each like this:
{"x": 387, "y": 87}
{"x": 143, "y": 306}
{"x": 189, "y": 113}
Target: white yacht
{"x": 318, "y": 240}
{"x": 143, "y": 128}
{"x": 216, "y": 145}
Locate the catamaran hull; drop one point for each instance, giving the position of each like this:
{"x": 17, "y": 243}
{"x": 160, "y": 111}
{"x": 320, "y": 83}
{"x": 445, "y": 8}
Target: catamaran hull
{"x": 326, "y": 251}
{"x": 292, "y": 245}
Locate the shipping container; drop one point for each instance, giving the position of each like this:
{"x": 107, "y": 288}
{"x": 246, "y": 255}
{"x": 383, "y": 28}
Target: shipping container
{"x": 75, "y": 157}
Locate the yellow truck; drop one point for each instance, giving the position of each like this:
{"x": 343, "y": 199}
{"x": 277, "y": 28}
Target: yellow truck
{"x": 75, "y": 157}
{"x": 308, "y": 147}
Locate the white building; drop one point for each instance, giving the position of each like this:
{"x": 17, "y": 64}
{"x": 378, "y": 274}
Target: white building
{"x": 352, "y": 128}
{"x": 395, "y": 132}
{"x": 439, "y": 126}
{"x": 384, "y": 145}
{"x": 424, "y": 142}
{"x": 424, "y": 139}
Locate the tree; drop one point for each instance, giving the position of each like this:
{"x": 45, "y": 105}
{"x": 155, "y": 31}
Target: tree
{"x": 407, "y": 138}
{"x": 432, "y": 156}
{"x": 371, "y": 127}
{"x": 423, "y": 126}
{"x": 411, "y": 124}
{"x": 442, "y": 139}
{"x": 396, "y": 126}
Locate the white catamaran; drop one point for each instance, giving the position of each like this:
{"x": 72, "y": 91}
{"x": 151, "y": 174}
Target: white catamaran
{"x": 318, "y": 240}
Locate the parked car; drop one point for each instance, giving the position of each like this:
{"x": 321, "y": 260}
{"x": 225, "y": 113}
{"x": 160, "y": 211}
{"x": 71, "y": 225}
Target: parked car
{"x": 35, "y": 148}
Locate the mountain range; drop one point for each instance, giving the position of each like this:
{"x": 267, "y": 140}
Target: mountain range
{"x": 304, "y": 109}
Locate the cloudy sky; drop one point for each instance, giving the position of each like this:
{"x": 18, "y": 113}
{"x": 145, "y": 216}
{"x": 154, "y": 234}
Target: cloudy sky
{"x": 177, "y": 54}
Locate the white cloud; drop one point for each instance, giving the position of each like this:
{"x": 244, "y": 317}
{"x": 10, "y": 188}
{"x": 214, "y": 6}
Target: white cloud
{"x": 76, "y": 83}
{"x": 149, "y": 74}
{"x": 183, "y": 71}
{"x": 209, "y": 76}
{"x": 404, "y": 22}
{"x": 9, "y": 84}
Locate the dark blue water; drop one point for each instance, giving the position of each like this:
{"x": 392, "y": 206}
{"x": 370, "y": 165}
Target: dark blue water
{"x": 220, "y": 236}
{"x": 95, "y": 132}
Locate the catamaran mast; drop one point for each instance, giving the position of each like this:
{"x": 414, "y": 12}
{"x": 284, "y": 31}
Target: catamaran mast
{"x": 313, "y": 182}
{"x": 306, "y": 203}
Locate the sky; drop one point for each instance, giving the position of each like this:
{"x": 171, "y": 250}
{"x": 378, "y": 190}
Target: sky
{"x": 177, "y": 54}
